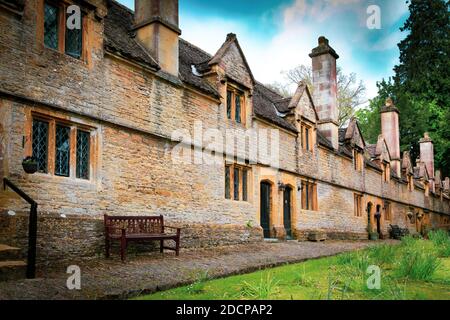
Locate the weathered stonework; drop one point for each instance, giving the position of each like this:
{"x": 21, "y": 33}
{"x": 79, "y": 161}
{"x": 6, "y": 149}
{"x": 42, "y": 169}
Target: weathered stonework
{"x": 133, "y": 110}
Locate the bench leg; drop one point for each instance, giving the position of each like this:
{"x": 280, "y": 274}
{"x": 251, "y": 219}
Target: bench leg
{"x": 161, "y": 246}
{"x": 123, "y": 248}
{"x": 107, "y": 248}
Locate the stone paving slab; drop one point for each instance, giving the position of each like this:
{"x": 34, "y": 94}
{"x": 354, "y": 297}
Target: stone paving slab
{"x": 112, "y": 279}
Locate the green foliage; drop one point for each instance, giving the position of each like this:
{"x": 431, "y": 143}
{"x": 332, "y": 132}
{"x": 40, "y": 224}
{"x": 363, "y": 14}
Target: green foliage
{"x": 421, "y": 84}
{"x": 408, "y": 271}
{"x": 383, "y": 254}
{"x": 441, "y": 241}
{"x": 417, "y": 261}
{"x": 199, "y": 285}
{"x": 262, "y": 290}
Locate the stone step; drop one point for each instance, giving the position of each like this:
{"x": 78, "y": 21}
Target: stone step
{"x": 9, "y": 253}
{"x": 12, "y": 270}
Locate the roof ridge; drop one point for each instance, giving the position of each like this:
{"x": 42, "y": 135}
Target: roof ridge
{"x": 196, "y": 47}
{"x": 115, "y": 2}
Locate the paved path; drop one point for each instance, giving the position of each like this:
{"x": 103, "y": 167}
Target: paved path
{"x": 111, "y": 279}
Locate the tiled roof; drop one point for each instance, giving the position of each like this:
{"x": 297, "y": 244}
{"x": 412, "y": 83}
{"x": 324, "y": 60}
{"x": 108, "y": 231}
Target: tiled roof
{"x": 321, "y": 140}
{"x": 268, "y": 104}
{"x": 120, "y": 40}
{"x": 264, "y": 101}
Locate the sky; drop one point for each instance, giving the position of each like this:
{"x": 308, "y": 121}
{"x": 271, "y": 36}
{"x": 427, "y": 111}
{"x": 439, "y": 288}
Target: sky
{"x": 278, "y": 35}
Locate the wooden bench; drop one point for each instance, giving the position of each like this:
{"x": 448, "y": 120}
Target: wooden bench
{"x": 126, "y": 229}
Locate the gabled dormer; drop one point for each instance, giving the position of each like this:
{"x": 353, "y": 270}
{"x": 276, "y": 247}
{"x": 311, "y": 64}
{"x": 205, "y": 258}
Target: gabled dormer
{"x": 351, "y": 140}
{"x": 302, "y": 114}
{"x": 384, "y": 157}
{"x": 407, "y": 170}
{"x": 229, "y": 71}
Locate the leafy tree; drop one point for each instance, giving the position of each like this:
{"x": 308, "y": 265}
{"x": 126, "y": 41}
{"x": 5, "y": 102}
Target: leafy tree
{"x": 421, "y": 83}
{"x": 351, "y": 92}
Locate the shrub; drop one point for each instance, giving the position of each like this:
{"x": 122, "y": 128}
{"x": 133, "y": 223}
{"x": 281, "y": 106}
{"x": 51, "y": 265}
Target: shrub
{"x": 417, "y": 264}
{"x": 441, "y": 242}
{"x": 382, "y": 254}
{"x": 262, "y": 290}
{"x": 439, "y": 237}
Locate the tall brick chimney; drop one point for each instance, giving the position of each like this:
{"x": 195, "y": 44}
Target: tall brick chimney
{"x": 391, "y": 133}
{"x": 325, "y": 89}
{"x": 156, "y": 25}
{"x": 427, "y": 156}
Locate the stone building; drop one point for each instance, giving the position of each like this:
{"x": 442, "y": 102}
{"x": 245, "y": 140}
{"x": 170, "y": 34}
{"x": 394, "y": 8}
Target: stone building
{"x": 97, "y": 106}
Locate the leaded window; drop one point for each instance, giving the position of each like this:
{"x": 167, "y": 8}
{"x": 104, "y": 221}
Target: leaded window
{"x": 238, "y": 108}
{"x": 229, "y": 104}
{"x": 62, "y": 151}
{"x": 51, "y": 26}
{"x": 244, "y": 185}
{"x": 236, "y": 184}
{"x": 83, "y": 138}
{"x": 74, "y": 42}
{"x": 227, "y": 183}
{"x": 40, "y": 144}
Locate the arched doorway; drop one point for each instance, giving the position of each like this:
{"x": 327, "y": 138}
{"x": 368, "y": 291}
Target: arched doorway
{"x": 369, "y": 215}
{"x": 287, "y": 211}
{"x": 378, "y": 219}
{"x": 265, "y": 205}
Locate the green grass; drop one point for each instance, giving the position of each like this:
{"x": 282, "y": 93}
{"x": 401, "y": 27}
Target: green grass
{"x": 414, "y": 269}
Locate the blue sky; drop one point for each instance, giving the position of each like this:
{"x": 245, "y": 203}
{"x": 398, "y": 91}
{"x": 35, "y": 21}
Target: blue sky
{"x": 278, "y": 35}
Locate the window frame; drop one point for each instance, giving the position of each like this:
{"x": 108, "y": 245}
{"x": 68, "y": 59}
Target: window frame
{"x": 309, "y": 196}
{"x": 62, "y": 27}
{"x": 243, "y": 193}
{"x": 307, "y": 137}
{"x": 231, "y": 97}
{"x": 74, "y": 127}
{"x": 387, "y": 211}
{"x": 358, "y": 205}
{"x": 358, "y": 160}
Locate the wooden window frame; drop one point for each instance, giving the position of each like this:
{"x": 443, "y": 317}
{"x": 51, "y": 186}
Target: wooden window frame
{"x": 62, "y": 18}
{"x": 241, "y": 169}
{"x": 307, "y": 137}
{"x": 51, "y": 145}
{"x": 387, "y": 211}
{"x": 358, "y": 160}
{"x": 309, "y": 196}
{"x": 235, "y": 92}
{"x": 358, "y": 205}
{"x": 386, "y": 172}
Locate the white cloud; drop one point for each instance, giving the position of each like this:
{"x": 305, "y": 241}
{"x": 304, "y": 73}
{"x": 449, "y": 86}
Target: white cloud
{"x": 300, "y": 24}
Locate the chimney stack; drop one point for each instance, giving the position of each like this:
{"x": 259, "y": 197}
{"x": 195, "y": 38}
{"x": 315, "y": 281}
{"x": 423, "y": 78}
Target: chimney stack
{"x": 156, "y": 25}
{"x": 427, "y": 156}
{"x": 391, "y": 133}
{"x": 325, "y": 89}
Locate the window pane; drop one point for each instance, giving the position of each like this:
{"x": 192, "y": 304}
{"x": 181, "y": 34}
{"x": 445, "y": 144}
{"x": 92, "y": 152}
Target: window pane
{"x": 51, "y": 26}
{"x": 62, "y": 152}
{"x": 227, "y": 183}
{"x": 236, "y": 184}
{"x": 40, "y": 144}
{"x": 244, "y": 185}
{"x": 238, "y": 108}
{"x": 83, "y": 138}
{"x": 229, "y": 101}
{"x": 307, "y": 196}
{"x": 307, "y": 138}
{"x": 74, "y": 41}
